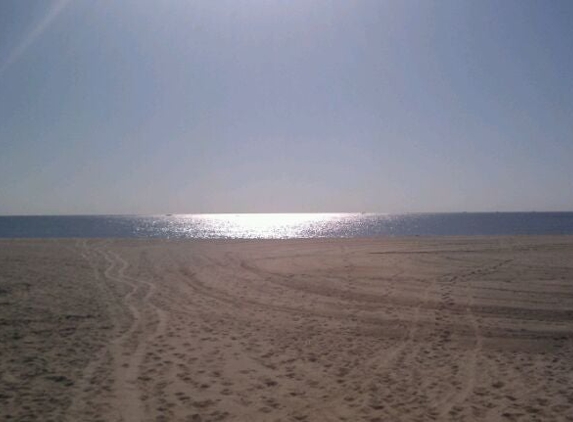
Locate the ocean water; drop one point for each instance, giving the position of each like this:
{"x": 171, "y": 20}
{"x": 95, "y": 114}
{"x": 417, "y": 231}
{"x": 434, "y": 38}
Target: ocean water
{"x": 286, "y": 226}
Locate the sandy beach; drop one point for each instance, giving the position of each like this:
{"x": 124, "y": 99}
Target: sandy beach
{"x": 412, "y": 329}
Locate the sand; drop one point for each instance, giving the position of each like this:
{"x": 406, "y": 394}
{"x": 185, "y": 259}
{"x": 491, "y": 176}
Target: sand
{"x": 417, "y": 329}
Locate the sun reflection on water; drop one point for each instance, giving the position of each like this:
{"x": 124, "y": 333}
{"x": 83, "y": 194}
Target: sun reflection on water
{"x": 255, "y": 226}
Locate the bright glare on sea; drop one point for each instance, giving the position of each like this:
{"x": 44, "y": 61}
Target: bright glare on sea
{"x": 287, "y": 226}
{"x": 253, "y": 226}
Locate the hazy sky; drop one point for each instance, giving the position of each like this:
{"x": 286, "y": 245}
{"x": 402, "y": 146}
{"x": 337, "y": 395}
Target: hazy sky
{"x": 142, "y": 106}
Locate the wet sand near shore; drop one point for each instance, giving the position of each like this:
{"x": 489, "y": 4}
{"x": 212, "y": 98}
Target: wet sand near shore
{"x": 404, "y": 329}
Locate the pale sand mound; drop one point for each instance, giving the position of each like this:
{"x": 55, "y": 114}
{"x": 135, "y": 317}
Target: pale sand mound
{"x": 460, "y": 329}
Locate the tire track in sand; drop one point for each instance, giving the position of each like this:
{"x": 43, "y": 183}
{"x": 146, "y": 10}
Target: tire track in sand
{"x": 378, "y": 366}
{"x": 89, "y": 386}
{"x": 449, "y": 405}
{"x": 127, "y": 350}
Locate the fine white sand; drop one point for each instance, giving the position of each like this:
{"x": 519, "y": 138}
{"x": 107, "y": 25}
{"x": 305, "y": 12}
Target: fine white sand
{"x": 418, "y": 329}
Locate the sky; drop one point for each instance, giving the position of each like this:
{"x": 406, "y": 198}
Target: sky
{"x": 140, "y": 106}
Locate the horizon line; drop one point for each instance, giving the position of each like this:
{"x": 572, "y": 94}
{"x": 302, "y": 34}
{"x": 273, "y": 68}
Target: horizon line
{"x": 282, "y": 212}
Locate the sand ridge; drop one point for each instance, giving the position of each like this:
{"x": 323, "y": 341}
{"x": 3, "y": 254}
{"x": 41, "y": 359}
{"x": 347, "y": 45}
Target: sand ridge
{"x": 411, "y": 329}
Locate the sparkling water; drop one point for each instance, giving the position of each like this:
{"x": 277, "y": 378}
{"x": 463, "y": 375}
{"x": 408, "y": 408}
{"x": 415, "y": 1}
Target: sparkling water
{"x": 287, "y": 226}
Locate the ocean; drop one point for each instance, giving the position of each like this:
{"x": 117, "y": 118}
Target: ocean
{"x": 286, "y": 226}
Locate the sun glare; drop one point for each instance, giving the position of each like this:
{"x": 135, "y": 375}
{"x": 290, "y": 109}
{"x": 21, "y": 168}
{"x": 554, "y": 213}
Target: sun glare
{"x": 265, "y": 225}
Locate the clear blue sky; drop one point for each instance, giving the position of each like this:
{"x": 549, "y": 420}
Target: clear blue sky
{"x": 140, "y": 106}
